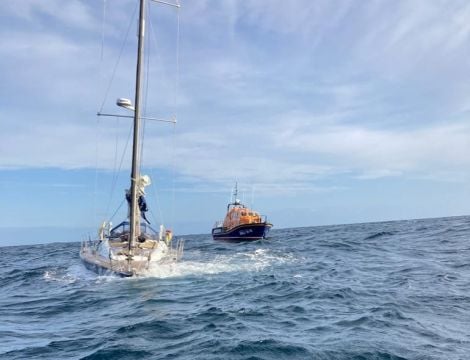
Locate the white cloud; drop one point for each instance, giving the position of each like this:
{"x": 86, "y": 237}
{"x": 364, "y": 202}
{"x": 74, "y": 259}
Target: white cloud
{"x": 72, "y": 13}
{"x": 276, "y": 93}
{"x": 378, "y": 153}
{"x": 411, "y": 38}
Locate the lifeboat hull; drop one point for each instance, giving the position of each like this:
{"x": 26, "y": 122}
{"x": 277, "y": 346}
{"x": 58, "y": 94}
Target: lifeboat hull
{"x": 245, "y": 232}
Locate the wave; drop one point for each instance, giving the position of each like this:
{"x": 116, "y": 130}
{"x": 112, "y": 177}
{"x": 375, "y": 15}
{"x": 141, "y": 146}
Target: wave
{"x": 253, "y": 261}
{"x": 379, "y": 234}
{"x": 321, "y": 293}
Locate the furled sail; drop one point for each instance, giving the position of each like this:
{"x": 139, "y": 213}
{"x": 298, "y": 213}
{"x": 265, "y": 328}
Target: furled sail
{"x": 144, "y": 181}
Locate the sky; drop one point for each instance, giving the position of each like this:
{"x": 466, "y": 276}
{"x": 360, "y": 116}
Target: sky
{"x": 324, "y": 112}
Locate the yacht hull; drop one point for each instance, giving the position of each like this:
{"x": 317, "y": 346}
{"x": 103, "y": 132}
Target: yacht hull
{"x": 103, "y": 267}
{"x": 106, "y": 257}
{"x": 244, "y": 232}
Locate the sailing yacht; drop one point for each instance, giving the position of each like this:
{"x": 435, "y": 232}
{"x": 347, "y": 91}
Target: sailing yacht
{"x": 132, "y": 247}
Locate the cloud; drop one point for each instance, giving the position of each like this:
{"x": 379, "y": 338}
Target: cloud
{"x": 296, "y": 151}
{"x": 413, "y": 38}
{"x": 71, "y": 13}
{"x": 275, "y": 93}
{"x": 377, "y": 153}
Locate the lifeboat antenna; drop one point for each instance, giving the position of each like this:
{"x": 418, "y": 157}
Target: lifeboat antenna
{"x": 235, "y": 191}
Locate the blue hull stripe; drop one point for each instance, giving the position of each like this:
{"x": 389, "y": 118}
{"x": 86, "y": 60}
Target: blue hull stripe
{"x": 246, "y": 232}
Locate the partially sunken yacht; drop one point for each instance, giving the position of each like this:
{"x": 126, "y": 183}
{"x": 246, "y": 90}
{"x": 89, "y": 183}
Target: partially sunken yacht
{"x": 241, "y": 223}
{"x": 132, "y": 247}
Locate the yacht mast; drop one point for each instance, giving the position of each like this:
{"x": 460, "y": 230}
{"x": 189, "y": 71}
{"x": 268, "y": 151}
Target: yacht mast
{"x": 135, "y": 174}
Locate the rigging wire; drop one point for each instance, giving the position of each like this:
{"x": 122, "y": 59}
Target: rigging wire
{"x": 119, "y": 58}
{"x": 95, "y": 185}
{"x": 147, "y": 72}
{"x": 102, "y": 31}
{"x": 145, "y": 97}
{"x": 118, "y": 170}
{"x": 173, "y": 137}
{"x": 173, "y": 174}
{"x": 114, "y": 179}
{"x": 144, "y": 106}
{"x": 172, "y": 152}
{"x": 119, "y": 208}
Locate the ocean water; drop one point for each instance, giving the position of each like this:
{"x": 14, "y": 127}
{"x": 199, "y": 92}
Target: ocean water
{"x": 390, "y": 290}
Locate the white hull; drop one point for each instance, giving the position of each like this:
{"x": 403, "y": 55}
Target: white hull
{"x": 105, "y": 256}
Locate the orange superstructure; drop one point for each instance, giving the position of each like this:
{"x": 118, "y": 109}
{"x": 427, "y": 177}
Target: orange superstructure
{"x": 240, "y": 215}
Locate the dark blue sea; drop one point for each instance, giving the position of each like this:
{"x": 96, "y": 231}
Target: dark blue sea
{"x": 389, "y": 290}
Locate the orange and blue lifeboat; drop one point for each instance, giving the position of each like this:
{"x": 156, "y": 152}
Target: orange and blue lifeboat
{"x": 241, "y": 224}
